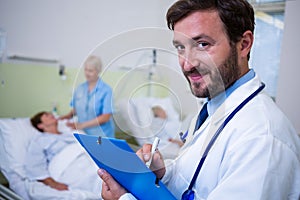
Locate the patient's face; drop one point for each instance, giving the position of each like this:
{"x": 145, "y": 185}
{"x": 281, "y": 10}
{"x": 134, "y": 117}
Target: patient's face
{"x": 48, "y": 119}
{"x": 159, "y": 112}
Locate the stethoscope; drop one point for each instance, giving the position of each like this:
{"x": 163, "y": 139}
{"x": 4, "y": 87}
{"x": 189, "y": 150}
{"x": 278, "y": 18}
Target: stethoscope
{"x": 189, "y": 194}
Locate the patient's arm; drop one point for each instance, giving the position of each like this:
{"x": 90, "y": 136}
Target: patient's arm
{"x": 93, "y": 122}
{"x": 176, "y": 141}
{"x": 54, "y": 184}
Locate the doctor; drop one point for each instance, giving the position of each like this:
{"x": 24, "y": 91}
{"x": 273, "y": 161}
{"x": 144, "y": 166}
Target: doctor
{"x": 255, "y": 153}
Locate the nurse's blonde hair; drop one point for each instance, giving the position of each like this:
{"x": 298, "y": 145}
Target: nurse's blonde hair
{"x": 95, "y": 62}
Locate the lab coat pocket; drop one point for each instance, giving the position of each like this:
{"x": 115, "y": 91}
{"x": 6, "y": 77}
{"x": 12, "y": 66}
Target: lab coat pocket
{"x": 179, "y": 184}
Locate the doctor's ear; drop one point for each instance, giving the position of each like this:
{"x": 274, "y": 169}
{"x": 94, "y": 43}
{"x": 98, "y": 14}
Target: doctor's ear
{"x": 245, "y": 43}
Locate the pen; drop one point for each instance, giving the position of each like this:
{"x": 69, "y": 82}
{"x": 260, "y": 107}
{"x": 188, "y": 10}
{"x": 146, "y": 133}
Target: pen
{"x": 153, "y": 149}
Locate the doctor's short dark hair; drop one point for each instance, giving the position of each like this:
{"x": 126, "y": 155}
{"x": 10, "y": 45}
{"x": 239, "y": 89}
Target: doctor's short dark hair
{"x": 36, "y": 120}
{"x": 236, "y": 15}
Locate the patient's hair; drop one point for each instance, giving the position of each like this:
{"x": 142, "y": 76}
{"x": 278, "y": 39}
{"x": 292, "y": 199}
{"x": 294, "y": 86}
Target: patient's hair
{"x": 95, "y": 62}
{"x": 36, "y": 120}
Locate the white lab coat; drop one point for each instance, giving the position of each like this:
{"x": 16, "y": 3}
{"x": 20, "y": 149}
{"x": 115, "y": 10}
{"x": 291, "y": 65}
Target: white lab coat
{"x": 257, "y": 155}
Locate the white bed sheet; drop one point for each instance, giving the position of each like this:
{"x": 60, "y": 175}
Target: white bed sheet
{"x": 15, "y": 135}
{"x": 75, "y": 168}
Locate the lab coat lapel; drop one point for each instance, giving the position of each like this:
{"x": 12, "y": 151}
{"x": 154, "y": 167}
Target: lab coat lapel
{"x": 235, "y": 99}
{"x": 212, "y": 123}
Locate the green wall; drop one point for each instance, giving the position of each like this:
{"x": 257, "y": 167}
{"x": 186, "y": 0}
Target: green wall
{"x": 26, "y": 89}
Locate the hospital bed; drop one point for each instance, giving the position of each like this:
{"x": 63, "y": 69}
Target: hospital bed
{"x": 15, "y": 135}
{"x": 135, "y": 117}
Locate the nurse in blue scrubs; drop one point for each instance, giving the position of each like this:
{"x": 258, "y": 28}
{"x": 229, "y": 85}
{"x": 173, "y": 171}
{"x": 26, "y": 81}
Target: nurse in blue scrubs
{"x": 92, "y": 102}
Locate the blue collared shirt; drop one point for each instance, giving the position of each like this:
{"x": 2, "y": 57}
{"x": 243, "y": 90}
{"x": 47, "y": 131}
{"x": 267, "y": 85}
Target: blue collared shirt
{"x": 215, "y": 102}
{"x": 89, "y": 105}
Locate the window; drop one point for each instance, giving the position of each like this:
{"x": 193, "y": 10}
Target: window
{"x": 265, "y": 54}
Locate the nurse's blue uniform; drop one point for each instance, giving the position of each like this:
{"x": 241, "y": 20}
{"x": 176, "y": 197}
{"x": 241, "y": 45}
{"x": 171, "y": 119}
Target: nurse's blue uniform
{"x": 89, "y": 105}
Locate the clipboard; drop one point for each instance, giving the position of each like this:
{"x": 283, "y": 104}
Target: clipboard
{"x": 117, "y": 158}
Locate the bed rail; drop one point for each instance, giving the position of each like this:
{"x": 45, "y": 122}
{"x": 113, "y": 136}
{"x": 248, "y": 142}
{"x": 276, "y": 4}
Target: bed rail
{"x": 7, "y": 194}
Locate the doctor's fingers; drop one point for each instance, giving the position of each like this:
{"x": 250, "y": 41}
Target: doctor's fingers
{"x": 106, "y": 177}
{"x": 144, "y": 153}
{"x": 110, "y": 188}
{"x": 158, "y": 165}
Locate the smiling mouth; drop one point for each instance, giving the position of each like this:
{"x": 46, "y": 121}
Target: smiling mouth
{"x": 195, "y": 77}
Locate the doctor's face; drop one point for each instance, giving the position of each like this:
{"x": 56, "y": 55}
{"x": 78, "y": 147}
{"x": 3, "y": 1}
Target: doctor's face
{"x": 207, "y": 60}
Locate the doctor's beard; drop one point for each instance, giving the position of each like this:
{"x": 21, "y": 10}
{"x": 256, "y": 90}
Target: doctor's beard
{"x": 221, "y": 77}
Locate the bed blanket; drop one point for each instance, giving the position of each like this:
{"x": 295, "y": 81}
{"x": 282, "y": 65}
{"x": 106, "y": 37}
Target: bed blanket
{"x": 75, "y": 168}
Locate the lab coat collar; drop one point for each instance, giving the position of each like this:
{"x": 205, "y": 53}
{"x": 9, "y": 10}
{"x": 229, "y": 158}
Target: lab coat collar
{"x": 237, "y": 96}
{"x": 217, "y": 101}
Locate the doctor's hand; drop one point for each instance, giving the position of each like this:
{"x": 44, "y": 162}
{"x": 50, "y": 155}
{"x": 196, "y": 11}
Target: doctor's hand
{"x": 111, "y": 189}
{"x": 157, "y": 164}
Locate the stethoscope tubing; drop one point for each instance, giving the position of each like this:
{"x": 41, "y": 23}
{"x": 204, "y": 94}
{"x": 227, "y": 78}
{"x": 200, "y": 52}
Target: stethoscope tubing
{"x": 215, "y": 136}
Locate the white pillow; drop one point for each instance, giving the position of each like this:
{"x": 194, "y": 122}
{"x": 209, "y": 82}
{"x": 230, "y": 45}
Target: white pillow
{"x": 143, "y": 107}
{"x": 135, "y": 116}
{"x": 167, "y": 105}
{"x": 15, "y": 136}
{"x": 146, "y": 122}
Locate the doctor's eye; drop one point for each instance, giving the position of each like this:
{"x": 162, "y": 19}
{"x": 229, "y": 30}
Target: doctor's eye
{"x": 179, "y": 48}
{"x": 203, "y": 45}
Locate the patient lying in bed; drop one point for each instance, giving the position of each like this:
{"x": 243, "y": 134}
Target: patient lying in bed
{"x": 41, "y": 158}
{"x": 71, "y": 166}
{"x": 147, "y": 117}
{"x": 161, "y": 120}
{"x": 43, "y": 147}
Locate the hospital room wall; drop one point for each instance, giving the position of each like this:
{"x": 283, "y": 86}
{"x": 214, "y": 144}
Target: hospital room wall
{"x": 28, "y": 89}
{"x": 288, "y": 92}
{"x": 69, "y": 31}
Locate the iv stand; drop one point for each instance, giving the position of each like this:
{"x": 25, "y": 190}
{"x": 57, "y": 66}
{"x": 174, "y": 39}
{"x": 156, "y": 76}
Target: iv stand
{"x": 151, "y": 72}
